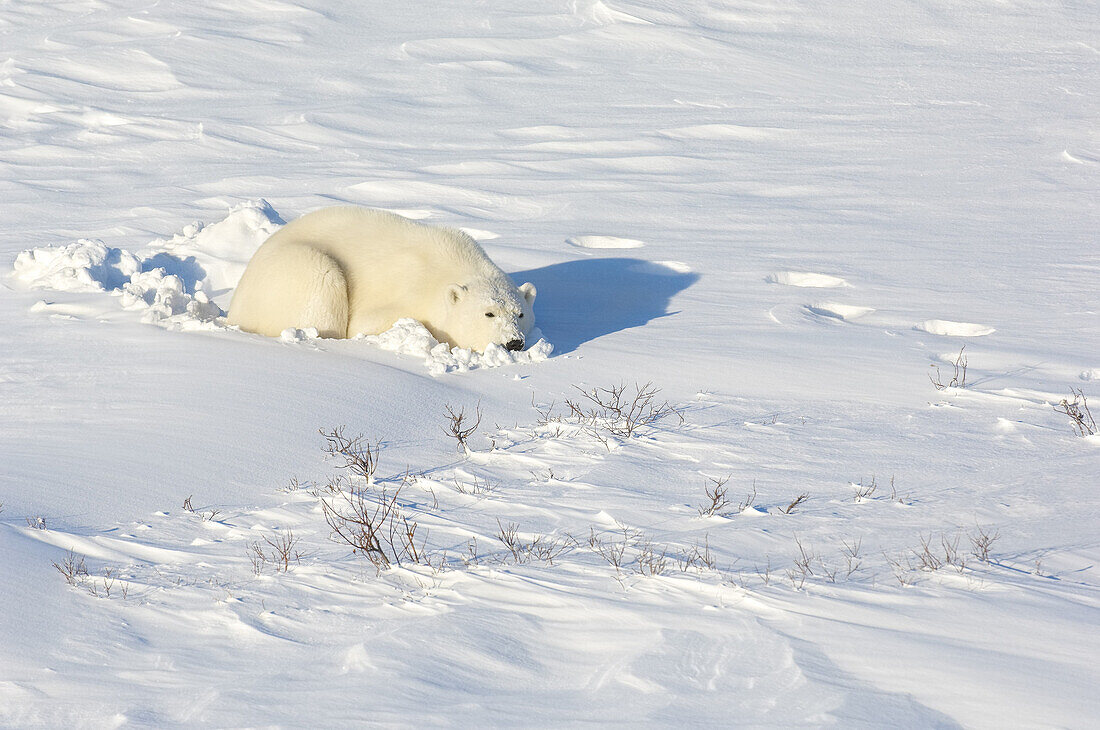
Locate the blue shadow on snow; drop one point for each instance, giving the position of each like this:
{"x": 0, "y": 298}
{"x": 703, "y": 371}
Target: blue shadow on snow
{"x": 188, "y": 270}
{"x": 584, "y": 299}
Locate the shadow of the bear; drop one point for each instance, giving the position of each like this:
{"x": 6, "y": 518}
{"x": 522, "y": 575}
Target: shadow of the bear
{"x": 584, "y": 299}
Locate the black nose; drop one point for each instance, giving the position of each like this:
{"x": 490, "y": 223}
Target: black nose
{"x": 514, "y": 345}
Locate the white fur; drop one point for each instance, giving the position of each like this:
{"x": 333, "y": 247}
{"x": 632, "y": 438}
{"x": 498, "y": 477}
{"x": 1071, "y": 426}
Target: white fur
{"x": 348, "y": 270}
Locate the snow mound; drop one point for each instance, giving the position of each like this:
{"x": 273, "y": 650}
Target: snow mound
{"x": 171, "y": 281}
{"x": 836, "y": 310}
{"x": 807, "y": 279}
{"x": 948, "y": 328}
{"x": 409, "y": 337}
{"x": 86, "y": 265}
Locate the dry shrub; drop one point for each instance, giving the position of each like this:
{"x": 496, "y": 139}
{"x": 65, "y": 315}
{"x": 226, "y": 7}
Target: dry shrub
{"x": 1078, "y": 412}
{"x": 368, "y": 517}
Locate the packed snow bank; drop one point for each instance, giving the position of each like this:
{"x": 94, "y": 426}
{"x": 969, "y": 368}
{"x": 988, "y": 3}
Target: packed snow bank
{"x": 185, "y": 281}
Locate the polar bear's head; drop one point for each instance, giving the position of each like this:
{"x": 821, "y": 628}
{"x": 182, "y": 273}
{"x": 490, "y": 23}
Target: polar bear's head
{"x": 486, "y": 311}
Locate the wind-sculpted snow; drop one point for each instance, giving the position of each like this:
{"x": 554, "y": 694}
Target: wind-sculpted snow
{"x": 788, "y": 217}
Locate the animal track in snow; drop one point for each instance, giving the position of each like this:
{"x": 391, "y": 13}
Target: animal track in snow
{"x": 807, "y": 279}
{"x": 954, "y": 329}
{"x": 603, "y": 242}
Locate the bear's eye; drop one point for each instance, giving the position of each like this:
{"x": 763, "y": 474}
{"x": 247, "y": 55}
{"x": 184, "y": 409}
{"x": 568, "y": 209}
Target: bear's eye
{"x": 489, "y": 314}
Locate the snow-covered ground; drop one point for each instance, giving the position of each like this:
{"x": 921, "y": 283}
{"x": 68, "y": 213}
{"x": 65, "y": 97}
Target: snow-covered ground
{"x": 789, "y": 218}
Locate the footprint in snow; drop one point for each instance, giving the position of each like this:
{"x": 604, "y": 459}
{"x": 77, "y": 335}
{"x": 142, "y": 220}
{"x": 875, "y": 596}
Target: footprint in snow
{"x": 806, "y": 279}
{"x": 954, "y": 329}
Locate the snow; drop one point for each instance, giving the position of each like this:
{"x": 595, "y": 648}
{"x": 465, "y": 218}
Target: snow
{"x": 954, "y": 329}
{"x": 777, "y": 215}
{"x": 603, "y": 242}
{"x": 807, "y": 279}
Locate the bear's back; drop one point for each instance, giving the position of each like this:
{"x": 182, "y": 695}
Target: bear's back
{"x": 355, "y": 236}
{"x": 387, "y": 259}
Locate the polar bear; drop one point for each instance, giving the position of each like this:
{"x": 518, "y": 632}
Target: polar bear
{"x": 349, "y": 270}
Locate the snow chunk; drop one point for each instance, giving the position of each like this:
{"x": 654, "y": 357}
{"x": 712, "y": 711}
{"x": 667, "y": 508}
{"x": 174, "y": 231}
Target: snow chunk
{"x": 169, "y": 281}
{"x": 86, "y": 265}
{"x": 409, "y": 337}
{"x": 217, "y": 253}
{"x": 293, "y": 334}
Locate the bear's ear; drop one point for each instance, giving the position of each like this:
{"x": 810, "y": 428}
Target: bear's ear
{"x": 528, "y": 291}
{"x": 454, "y": 293}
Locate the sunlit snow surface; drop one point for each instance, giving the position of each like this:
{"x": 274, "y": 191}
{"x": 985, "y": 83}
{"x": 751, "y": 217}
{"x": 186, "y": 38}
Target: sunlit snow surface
{"x": 795, "y": 219}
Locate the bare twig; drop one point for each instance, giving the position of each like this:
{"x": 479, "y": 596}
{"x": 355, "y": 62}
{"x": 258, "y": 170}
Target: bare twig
{"x": 611, "y": 551}
{"x": 716, "y": 499}
{"x": 621, "y": 414}
{"x": 794, "y": 503}
{"x": 865, "y": 491}
{"x": 72, "y": 569}
{"x": 283, "y": 550}
{"x": 929, "y": 561}
{"x": 958, "y": 379}
{"x": 1078, "y": 412}
{"x": 257, "y": 557}
{"x": 982, "y": 543}
{"x": 852, "y": 556}
{"x": 804, "y": 560}
{"x": 360, "y": 457}
{"x": 458, "y": 426}
{"x": 903, "y": 571}
{"x": 649, "y": 561}
{"x": 749, "y": 499}
{"x": 373, "y": 525}
{"x": 697, "y": 556}
{"x": 541, "y": 547}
